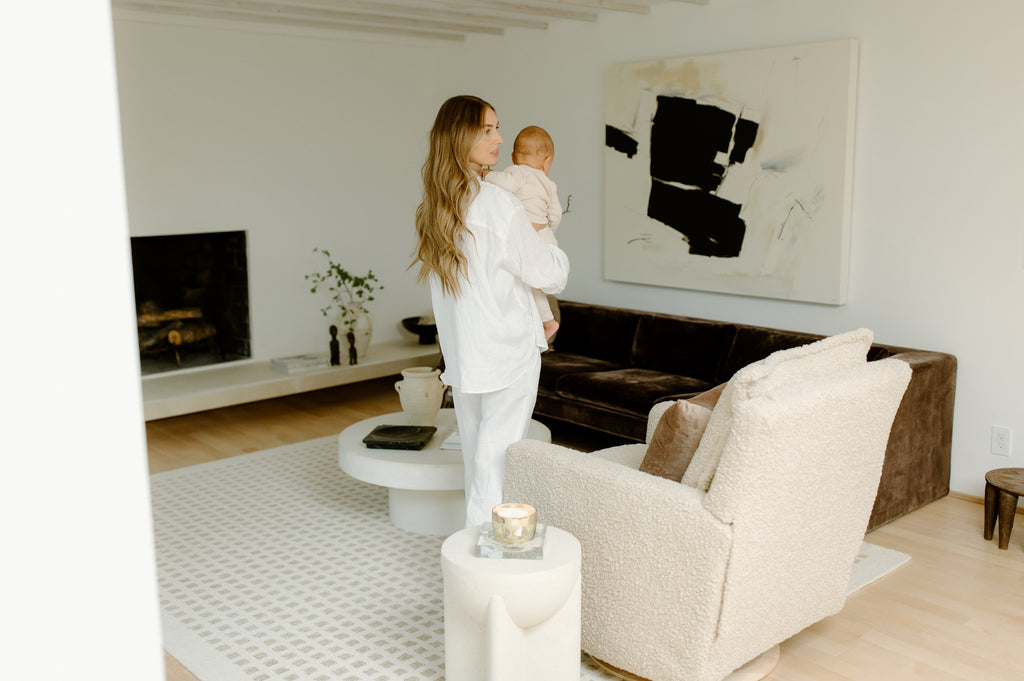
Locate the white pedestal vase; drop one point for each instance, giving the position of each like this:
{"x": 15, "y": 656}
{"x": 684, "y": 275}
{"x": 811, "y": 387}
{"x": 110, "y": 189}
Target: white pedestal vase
{"x": 362, "y": 332}
{"x": 420, "y": 391}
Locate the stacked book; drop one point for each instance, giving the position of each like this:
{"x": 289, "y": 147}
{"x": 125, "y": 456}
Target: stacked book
{"x": 452, "y": 442}
{"x": 297, "y": 364}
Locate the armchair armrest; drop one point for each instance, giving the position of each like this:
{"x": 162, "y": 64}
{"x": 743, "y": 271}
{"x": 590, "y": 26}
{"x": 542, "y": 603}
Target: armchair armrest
{"x": 631, "y": 455}
{"x": 651, "y": 552}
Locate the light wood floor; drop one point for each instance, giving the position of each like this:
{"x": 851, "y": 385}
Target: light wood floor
{"x": 954, "y": 612}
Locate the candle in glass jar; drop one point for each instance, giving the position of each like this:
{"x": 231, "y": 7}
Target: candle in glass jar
{"x": 514, "y": 523}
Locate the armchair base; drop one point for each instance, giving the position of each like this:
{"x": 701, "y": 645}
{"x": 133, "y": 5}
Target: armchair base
{"x": 758, "y": 668}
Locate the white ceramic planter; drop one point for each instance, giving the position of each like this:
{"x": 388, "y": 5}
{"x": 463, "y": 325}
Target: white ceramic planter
{"x": 363, "y": 333}
{"x": 420, "y": 391}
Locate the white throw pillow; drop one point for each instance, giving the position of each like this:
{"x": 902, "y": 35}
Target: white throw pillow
{"x": 784, "y": 367}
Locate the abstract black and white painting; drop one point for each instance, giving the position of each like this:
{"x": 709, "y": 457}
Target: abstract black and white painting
{"x": 733, "y": 172}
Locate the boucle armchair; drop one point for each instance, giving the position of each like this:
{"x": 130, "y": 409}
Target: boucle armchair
{"x": 692, "y": 580}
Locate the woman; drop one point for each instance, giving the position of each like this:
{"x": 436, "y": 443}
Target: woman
{"x": 481, "y": 256}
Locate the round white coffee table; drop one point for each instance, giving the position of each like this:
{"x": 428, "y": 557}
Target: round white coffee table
{"x": 426, "y": 486}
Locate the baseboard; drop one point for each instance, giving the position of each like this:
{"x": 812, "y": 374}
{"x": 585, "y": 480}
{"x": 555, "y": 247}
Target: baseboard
{"x": 978, "y": 500}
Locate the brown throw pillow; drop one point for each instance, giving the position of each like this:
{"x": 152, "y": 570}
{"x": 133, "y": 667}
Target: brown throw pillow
{"x": 709, "y": 398}
{"x": 675, "y": 439}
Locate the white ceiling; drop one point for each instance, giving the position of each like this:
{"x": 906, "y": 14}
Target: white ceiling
{"x": 429, "y": 19}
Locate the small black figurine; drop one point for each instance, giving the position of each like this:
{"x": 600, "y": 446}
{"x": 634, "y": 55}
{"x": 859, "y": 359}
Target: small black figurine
{"x": 351, "y": 348}
{"x": 335, "y": 347}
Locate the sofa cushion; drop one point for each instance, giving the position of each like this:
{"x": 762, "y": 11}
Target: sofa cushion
{"x": 752, "y": 344}
{"x": 622, "y": 425}
{"x": 877, "y": 352}
{"x": 553, "y": 365}
{"x": 781, "y": 368}
{"x": 659, "y": 339}
{"x": 631, "y": 390}
{"x": 604, "y": 333}
{"x": 675, "y": 440}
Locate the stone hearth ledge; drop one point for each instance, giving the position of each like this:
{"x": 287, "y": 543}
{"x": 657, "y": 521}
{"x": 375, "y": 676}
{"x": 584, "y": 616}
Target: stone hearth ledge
{"x": 191, "y": 390}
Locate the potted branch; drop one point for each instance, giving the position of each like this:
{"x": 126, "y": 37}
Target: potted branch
{"x": 350, "y": 294}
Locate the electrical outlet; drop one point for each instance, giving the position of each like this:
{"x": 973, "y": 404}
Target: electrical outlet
{"x": 1001, "y": 440}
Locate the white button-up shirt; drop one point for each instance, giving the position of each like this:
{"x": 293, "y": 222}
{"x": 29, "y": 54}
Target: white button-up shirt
{"x": 491, "y": 330}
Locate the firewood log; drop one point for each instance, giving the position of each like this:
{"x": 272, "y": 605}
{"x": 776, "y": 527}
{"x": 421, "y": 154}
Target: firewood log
{"x": 190, "y": 333}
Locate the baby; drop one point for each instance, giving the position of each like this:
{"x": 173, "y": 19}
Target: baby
{"x": 532, "y": 154}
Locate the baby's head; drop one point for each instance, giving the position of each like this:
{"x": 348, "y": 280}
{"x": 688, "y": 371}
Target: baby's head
{"x": 533, "y": 147}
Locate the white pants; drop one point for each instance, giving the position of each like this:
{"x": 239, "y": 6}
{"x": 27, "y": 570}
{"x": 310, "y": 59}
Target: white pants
{"x": 488, "y": 424}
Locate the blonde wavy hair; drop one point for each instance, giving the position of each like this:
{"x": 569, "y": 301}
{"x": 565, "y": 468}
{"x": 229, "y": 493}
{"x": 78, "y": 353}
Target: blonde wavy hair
{"x": 449, "y": 185}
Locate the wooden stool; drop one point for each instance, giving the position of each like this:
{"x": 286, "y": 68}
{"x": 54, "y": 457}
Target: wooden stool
{"x": 1002, "y": 488}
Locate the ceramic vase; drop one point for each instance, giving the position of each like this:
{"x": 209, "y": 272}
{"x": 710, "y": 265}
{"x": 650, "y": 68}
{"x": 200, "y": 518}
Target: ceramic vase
{"x": 363, "y": 331}
{"x": 420, "y": 391}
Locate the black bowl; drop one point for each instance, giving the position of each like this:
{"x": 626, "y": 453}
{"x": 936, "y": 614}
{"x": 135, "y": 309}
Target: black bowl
{"x": 426, "y": 332}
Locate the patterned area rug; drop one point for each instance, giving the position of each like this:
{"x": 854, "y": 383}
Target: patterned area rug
{"x": 276, "y": 566}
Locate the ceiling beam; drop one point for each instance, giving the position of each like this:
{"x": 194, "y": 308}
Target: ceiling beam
{"x": 176, "y": 8}
{"x": 430, "y": 19}
{"x": 432, "y": 10}
{"x": 609, "y": 5}
{"x": 258, "y": 9}
{"x": 551, "y": 10}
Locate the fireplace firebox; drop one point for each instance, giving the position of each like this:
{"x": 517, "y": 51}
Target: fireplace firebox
{"x": 192, "y": 299}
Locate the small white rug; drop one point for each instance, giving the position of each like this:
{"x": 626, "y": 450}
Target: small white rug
{"x": 276, "y": 566}
{"x": 872, "y": 563}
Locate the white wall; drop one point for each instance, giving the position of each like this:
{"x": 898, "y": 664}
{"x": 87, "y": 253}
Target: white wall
{"x": 295, "y": 140}
{"x": 77, "y": 580}
{"x": 938, "y": 231}
{"x": 301, "y": 142}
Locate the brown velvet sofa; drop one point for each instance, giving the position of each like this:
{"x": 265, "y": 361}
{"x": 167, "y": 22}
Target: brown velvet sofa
{"x": 608, "y": 366}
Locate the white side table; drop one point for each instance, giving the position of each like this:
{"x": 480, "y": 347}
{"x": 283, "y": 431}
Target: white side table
{"x": 426, "y": 486}
{"x": 509, "y": 619}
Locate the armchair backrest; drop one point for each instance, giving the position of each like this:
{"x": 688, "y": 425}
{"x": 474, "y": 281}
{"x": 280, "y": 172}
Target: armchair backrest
{"x": 784, "y": 367}
{"x": 796, "y": 482}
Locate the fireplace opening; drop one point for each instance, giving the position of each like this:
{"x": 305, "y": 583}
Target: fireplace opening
{"x": 192, "y": 299}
